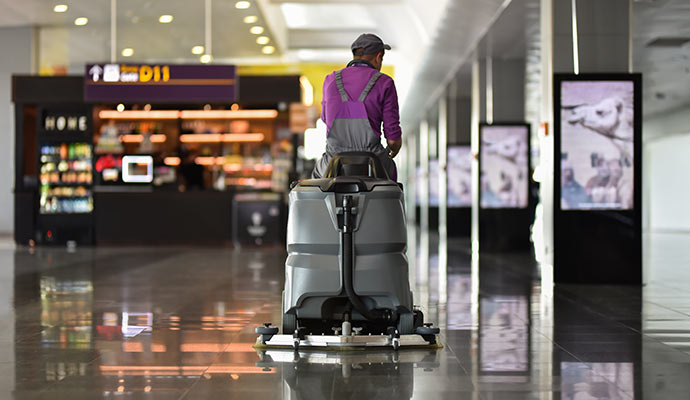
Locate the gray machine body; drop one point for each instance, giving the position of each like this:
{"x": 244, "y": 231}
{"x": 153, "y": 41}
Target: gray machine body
{"x": 313, "y": 273}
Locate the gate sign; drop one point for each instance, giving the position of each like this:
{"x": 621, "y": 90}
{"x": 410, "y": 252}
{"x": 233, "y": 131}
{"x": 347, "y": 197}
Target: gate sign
{"x": 162, "y": 83}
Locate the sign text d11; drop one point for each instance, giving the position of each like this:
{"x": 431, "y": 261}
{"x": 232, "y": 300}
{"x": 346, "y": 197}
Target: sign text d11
{"x": 160, "y": 83}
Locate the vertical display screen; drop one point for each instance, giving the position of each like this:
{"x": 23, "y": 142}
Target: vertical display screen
{"x": 597, "y": 145}
{"x": 504, "y": 166}
{"x": 459, "y": 176}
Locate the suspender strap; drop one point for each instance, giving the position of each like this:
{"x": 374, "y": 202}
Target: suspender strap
{"x": 368, "y": 87}
{"x": 339, "y": 83}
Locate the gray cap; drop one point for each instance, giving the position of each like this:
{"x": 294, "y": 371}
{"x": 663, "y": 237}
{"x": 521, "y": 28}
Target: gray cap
{"x": 369, "y": 43}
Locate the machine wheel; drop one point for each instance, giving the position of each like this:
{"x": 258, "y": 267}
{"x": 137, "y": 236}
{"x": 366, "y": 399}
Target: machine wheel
{"x": 418, "y": 318}
{"x": 289, "y": 320}
{"x": 406, "y": 323}
{"x": 289, "y": 323}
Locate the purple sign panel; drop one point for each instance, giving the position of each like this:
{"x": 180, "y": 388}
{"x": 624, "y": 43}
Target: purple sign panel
{"x": 162, "y": 83}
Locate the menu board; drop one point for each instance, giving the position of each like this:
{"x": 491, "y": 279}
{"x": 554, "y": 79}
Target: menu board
{"x": 597, "y": 144}
{"x": 504, "y": 166}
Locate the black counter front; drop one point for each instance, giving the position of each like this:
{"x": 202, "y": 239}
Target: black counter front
{"x": 163, "y": 217}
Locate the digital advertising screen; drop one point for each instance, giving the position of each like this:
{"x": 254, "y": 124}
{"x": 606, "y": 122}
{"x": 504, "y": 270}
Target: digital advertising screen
{"x": 504, "y": 334}
{"x": 597, "y": 144}
{"x": 504, "y": 166}
{"x": 433, "y": 184}
{"x": 459, "y": 176}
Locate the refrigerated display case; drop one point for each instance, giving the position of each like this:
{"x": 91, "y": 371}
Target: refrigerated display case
{"x": 65, "y": 166}
{"x": 65, "y": 176}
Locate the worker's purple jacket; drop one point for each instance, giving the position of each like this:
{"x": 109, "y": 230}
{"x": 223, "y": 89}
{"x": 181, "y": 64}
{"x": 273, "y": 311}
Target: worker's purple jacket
{"x": 381, "y": 103}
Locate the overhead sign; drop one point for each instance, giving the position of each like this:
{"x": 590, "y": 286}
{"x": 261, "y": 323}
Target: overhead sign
{"x": 163, "y": 83}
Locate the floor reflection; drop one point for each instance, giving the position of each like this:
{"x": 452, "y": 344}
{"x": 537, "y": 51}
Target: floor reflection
{"x": 354, "y": 375}
{"x": 178, "y": 323}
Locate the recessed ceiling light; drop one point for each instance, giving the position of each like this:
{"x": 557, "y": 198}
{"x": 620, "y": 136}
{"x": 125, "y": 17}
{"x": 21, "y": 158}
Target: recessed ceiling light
{"x": 81, "y": 21}
{"x": 263, "y": 40}
{"x": 243, "y": 5}
{"x": 206, "y": 58}
{"x": 198, "y": 50}
{"x": 120, "y": 107}
{"x": 165, "y": 19}
{"x": 128, "y": 52}
{"x": 250, "y": 19}
{"x": 257, "y": 30}
{"x": 60, "y": 8}
{"x": 268, "y": 50}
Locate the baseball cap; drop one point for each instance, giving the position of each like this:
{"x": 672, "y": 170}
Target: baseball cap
{"x": 369, "y": 43}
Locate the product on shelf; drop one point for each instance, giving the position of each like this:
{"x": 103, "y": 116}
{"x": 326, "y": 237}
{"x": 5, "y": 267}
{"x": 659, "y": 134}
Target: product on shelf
{"x": 65, "y": 176}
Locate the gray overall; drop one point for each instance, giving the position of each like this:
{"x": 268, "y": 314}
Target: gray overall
{"x": 351, "y": 131}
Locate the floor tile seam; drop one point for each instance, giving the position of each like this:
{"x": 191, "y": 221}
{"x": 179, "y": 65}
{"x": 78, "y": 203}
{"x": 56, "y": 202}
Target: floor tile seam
{"x": 445, "y": 343}
{"x": 579, "y": 360}
{"x": 666, "y": 308}
{"x": 91, "y": 263}
{"x": 592, "y": 311}
{"x": 219, "y": 355}
{"x": 658, "y": 341}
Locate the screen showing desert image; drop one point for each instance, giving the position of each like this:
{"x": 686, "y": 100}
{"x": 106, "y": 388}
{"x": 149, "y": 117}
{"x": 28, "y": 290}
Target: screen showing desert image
{"x": 504, "y": 169}
{"x": 597, "y": 145}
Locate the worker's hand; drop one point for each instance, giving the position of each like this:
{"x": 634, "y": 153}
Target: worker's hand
{"x": 394, "y": 147}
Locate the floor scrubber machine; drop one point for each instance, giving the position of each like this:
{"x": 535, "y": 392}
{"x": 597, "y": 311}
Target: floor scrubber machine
{"x": 346, "y": 274}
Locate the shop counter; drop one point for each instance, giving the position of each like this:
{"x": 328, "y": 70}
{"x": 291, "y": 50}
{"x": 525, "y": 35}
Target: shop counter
{"x": 127, "y": 217}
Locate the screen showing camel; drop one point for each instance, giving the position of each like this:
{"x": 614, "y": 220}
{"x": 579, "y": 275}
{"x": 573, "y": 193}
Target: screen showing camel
{"x": 504, "y": 166}
{"x": 597, "y": 147}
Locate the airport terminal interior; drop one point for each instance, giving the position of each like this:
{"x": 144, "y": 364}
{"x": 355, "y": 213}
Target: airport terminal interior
{"x": 187, "y": 211}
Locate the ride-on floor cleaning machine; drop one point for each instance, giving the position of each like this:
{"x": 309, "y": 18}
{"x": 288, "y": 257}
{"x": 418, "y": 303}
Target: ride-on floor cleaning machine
{"x": 346, "y": 274}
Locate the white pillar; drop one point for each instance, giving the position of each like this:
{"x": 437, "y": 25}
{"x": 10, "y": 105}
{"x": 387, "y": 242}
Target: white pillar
{"x": 442, "y": 199}
{"x": 423, "y": 272}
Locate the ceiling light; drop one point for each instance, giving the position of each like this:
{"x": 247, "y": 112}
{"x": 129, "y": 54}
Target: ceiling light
{"x": 128, "y": 52}
{"x": 243, "y": 5}
{"x": 263, "y": 40}
{"x": 268, "y": 50}
{"x": 81, "y": 21}
{"x": 165, "y": 19}
{"x": 120, "y": 107}
{"x": 206, "y": 58}
{"x": 250, "y": 19}
{"x": 60, "y": 8}
{"x": 198, "y": 50}
{"x": 257, "y": 30}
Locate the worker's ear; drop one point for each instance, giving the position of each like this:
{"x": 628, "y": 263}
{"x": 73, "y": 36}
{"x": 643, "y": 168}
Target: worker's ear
{"x": 379, "y": 59}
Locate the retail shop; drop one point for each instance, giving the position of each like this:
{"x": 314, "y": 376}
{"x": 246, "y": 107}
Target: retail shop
{"x": 152, "y": 154}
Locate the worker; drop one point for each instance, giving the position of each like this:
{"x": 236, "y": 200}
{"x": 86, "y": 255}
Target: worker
{"x": 357, "y": 100}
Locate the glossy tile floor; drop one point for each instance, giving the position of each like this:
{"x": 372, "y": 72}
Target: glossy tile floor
{"x": 177, "y": 323}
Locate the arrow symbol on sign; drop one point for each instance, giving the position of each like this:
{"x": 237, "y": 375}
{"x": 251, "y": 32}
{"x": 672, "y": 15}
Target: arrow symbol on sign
{"x": 95, "y": 72}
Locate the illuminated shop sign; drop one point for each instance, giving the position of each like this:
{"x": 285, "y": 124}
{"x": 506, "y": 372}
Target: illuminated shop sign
{"x": 160, "y": 83}
{"x": 65, "y": 123}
